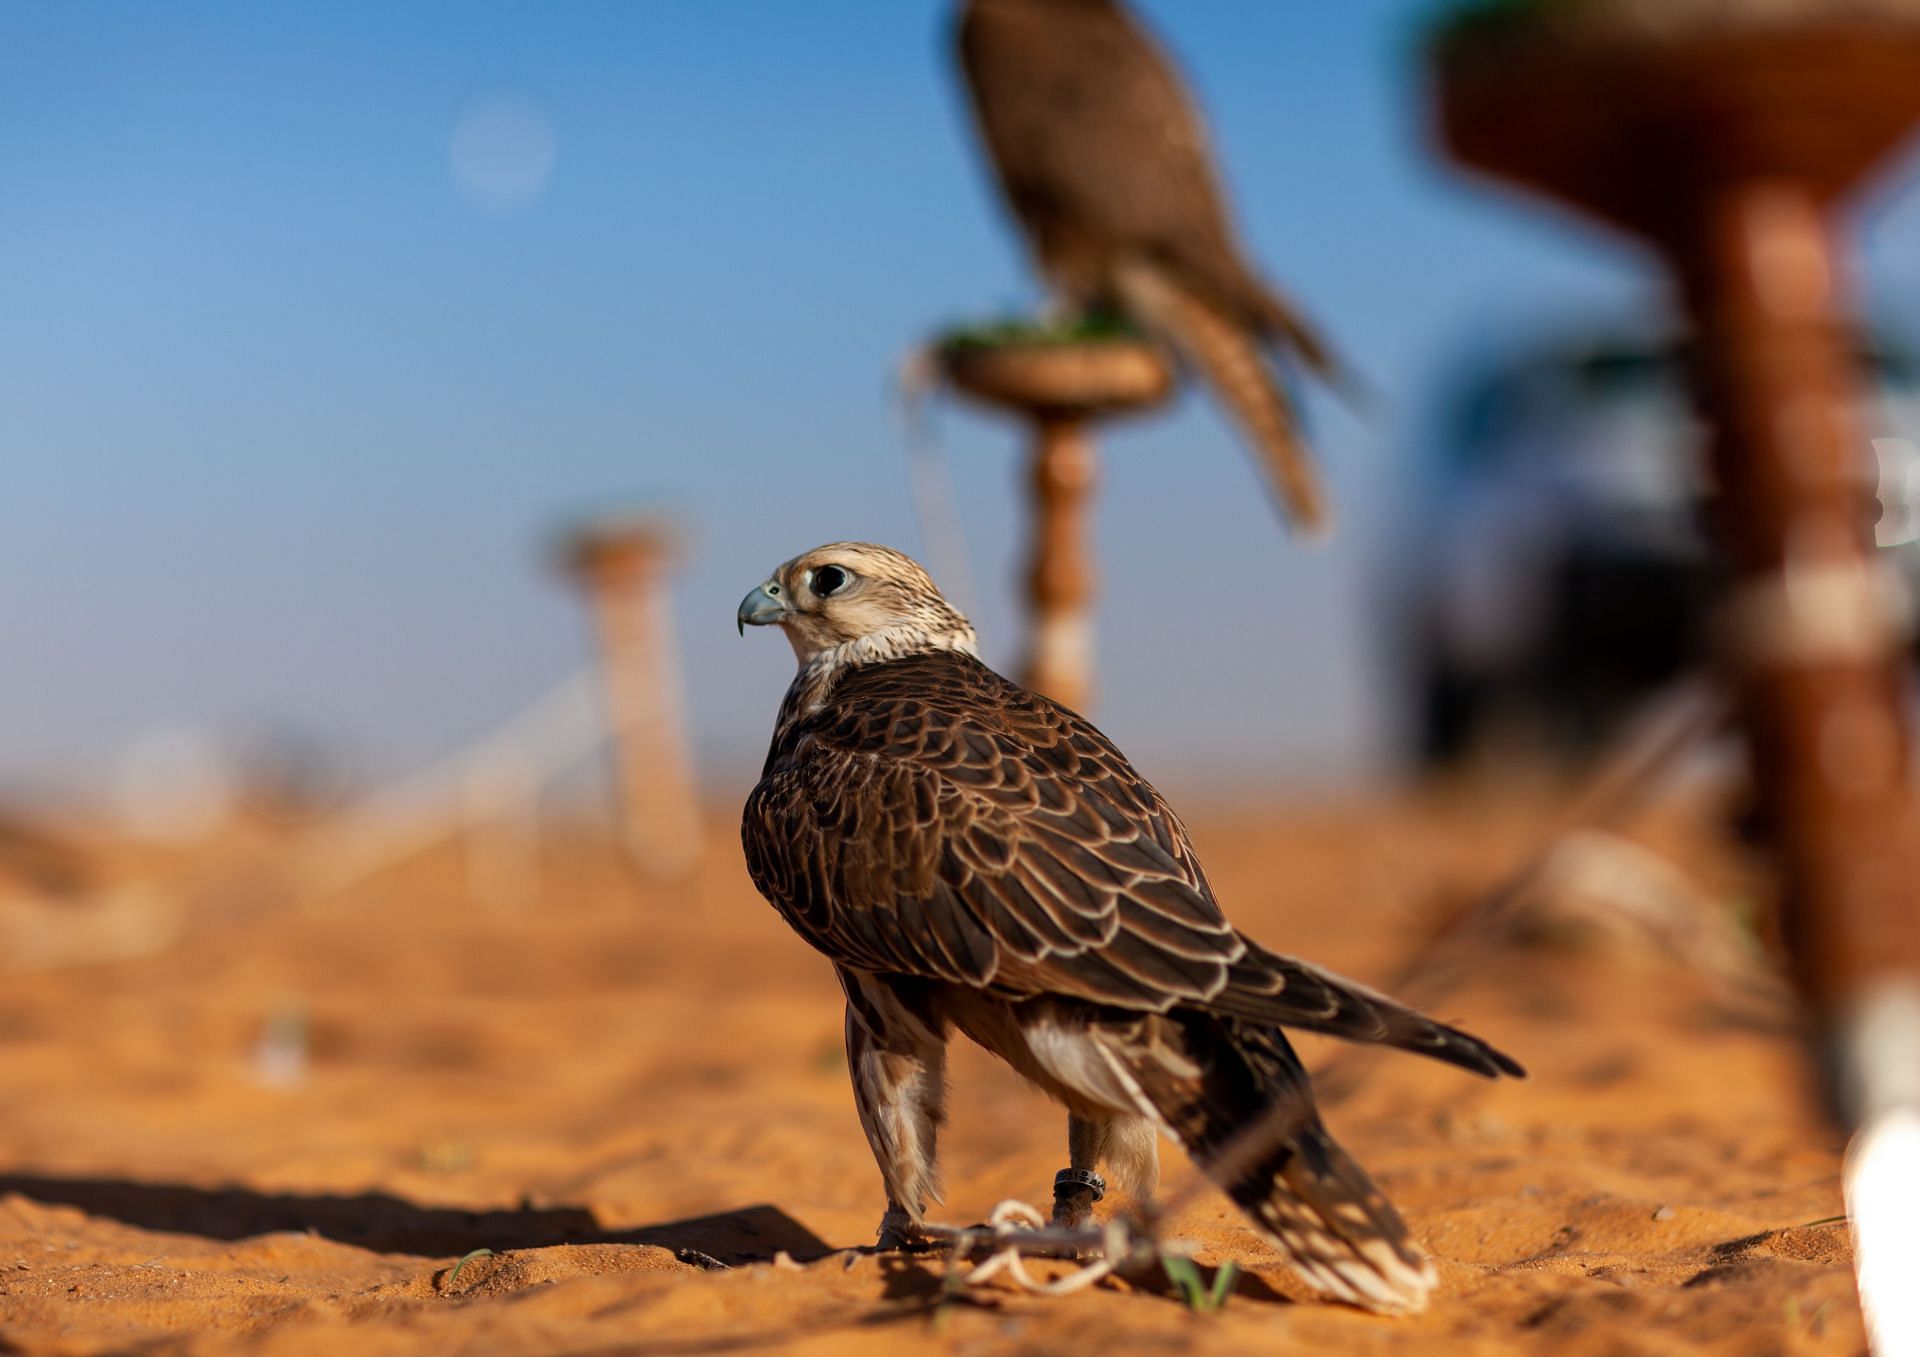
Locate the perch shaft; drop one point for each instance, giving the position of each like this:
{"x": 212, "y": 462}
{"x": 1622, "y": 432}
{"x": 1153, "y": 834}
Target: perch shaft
{"x": 1817, "y": 654}
{"x": 633, "y": 622}
{"x": 1060, "y": 577}
{"x": 1731, "y": 151}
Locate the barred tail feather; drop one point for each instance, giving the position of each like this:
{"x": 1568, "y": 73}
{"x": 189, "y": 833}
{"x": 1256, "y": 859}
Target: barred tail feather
{"x": 1230, "y": 360}
{"x": 1280, "y": 322}
{"x": 1337, "y": 1227}
{"x": 1267, "y": 989}
{"x": 1210, "y": 1082}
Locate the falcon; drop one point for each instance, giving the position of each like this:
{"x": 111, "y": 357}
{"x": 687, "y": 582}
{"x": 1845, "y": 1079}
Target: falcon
{"x": 971, "y": 855}
{"x": 1104, "y": 164}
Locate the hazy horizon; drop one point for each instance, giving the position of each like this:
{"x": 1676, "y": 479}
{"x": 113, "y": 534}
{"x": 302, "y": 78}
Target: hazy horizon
{"x": 318, "y": 323}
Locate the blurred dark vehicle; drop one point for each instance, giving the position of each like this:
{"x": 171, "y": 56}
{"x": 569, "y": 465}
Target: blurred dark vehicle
{"x": 1557, "y": 565}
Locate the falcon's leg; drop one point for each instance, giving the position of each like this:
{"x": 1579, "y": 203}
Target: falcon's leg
{"x": 1129, "y": 1149}
{"x": 898, "y": 1060}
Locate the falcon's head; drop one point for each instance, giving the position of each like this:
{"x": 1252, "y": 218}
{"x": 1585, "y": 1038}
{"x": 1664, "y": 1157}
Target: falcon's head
{"x": 855, "y": 602}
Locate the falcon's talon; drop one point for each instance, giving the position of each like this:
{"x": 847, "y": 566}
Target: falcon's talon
{"x": 889, "y": 1242}
{"x": 900, "y": 1244}
{"x": 901, "y": 1233}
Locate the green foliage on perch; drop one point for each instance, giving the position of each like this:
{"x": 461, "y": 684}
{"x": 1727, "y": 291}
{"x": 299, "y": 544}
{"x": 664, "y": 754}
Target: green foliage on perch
{"x": 1091, "y": 327}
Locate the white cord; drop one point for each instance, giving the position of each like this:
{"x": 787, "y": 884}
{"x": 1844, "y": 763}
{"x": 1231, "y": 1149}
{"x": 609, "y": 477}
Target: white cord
{"x": 1018, "y": 1229}
{"x": 930, "y": 481}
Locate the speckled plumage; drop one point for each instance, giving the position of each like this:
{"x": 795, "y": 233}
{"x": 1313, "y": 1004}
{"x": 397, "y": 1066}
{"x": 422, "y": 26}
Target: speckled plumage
{"x": 970, "y": 854}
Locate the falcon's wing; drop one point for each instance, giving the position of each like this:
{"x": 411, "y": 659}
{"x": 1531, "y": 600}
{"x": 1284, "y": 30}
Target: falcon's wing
{"x": 934, "y": 820}
{"x": 937, "y": 821}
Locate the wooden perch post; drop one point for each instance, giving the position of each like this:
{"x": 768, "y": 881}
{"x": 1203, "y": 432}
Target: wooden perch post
{"x": 1730, "y": 144}
{"x": 621, "y": 566}
{"x": 1059, "y": 389}
{"x": 1729, "y": 150}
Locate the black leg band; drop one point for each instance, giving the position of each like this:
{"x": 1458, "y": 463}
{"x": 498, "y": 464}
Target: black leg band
{"x": 1067, "y": 1180}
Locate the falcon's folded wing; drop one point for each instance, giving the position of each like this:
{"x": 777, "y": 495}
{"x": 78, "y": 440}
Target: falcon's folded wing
{"x": 935, "y": 821}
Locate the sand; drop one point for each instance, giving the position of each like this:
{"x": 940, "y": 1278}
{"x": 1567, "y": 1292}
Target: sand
{"x": 634, "y": 1096}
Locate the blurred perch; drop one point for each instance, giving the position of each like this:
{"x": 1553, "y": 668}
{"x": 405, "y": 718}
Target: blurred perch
{"x": 620, "y": 564}
{"x": 486, "y": 796}
{"x": 1057, "y": 382}
{"x": 1727, "y": 136}
{"x": 488, "y": 793}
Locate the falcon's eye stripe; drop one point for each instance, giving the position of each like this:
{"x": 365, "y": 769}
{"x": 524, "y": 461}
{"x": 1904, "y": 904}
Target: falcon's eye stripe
{"x": 828, "y": 579}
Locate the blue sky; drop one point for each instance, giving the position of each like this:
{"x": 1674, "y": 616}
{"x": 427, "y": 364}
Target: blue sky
{"x": 288, "y": 417}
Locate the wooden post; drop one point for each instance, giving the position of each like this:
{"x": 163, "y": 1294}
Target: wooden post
{"x": 1059, "y": 390}
{"x": 1729, "y": 146}
{"x": 1812, "y": 631}
{"x": 1728, "y": 151}
{"x": 1060, "y": 581}
{"x": 621, "y": 566}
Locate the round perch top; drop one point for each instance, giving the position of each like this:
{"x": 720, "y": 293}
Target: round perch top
{"x": 1458, "y": 28}
{"x": 619, "y": 544}
{"x": 1056, "y": 374}
{"x": 1637, "y": 109}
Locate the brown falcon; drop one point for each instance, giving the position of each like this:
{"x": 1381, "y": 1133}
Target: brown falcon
{"x": 1104, "y": 164}
{"x": 972, "y": 855}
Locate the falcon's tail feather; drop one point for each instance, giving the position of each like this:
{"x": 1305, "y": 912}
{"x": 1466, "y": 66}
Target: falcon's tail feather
{"x": 1265, "y": 987}
{"x": 1230, "y": 360}
{"x": 1210, "y": 1082}
{"x": 1339, "y": 1229}
{"x": 1283, "y": 324}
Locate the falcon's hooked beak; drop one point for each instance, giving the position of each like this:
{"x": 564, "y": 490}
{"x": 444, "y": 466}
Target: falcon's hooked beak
{"x": 763, "y": 607}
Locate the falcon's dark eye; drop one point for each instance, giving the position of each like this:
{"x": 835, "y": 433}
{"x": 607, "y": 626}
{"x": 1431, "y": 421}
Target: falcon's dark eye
{"x": 829, "y": 579}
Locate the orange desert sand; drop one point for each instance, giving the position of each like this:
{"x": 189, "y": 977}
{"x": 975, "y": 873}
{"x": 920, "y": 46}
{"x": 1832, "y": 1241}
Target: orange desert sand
{"x": 635, "y": 1096}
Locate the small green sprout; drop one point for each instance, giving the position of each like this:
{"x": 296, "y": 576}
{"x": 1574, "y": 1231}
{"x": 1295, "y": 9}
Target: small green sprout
{"x": 454, "y": 1275}
{"x": 1184, "y": 1273}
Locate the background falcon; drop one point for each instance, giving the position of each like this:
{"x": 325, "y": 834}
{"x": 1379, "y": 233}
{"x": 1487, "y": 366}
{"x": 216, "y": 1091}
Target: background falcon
{"x": 970, "y": 854}
{"x": 1104, "y": 163}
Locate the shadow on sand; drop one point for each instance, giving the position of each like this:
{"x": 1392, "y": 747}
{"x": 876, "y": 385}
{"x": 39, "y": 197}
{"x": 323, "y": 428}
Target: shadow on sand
{"x": 389, "y": 1224}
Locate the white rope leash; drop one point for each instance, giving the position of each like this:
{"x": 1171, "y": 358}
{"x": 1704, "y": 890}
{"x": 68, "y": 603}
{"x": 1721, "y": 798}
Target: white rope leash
{"x": 1016, "y": 1229}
